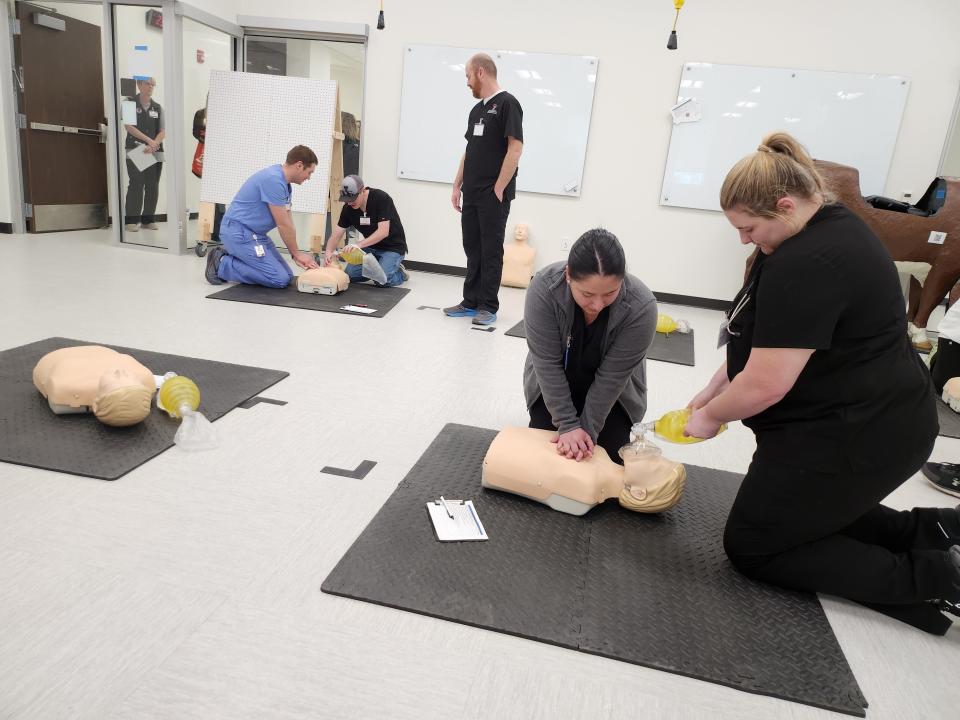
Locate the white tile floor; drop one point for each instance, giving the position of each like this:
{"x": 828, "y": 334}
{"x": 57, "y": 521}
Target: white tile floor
{"x": 190, "y": 588}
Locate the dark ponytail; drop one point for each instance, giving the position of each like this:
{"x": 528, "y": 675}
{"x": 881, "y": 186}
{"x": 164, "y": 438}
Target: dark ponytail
{"x": 596, "y": 252}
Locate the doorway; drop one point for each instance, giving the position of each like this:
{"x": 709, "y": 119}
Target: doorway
{"x": 62, "y": 130}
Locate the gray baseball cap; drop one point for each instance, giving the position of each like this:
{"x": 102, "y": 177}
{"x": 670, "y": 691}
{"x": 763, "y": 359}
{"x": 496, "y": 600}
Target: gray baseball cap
{"x": 351, "y": 186}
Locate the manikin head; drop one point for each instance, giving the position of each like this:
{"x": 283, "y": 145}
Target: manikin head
{"x": 481, "y": 74}
{"x": 769, "y": 195}
{"x": 642, "y": 461}
{"x": 121, "y": 400}
{"x": 595, "y": 270}
{"x": 300, "y": 164}
{"x": 521, "y": 233}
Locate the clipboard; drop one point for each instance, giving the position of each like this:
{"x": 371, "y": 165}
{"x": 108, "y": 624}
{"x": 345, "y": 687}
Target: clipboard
{"x": 465, "y": 524}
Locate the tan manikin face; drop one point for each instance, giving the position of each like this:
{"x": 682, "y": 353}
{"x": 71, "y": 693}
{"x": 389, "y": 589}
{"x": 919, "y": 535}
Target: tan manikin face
{"x": 521, "y": 233}
{"x": 114, "y": 380}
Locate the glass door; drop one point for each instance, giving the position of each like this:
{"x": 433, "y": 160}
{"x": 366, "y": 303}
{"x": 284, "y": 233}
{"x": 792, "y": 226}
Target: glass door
{"x": 141, "y": 124}
{"x": 204, "y": 49}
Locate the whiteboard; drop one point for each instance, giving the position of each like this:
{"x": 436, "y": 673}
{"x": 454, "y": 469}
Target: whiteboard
{"x": 555, "y": 92}
{"x": 848, "y": 118}
{"x": 252, "y": 122}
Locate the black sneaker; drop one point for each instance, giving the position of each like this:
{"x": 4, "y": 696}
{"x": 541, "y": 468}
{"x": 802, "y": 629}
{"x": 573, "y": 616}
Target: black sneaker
{"x": 213, "y": 264}
{"x": 943, "y": 476}
{"x": 949, "y": 607}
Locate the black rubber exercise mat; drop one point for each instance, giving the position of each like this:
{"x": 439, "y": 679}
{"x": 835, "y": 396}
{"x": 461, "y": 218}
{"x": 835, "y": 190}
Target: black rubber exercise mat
{"x": 381, "y": 299}
{"x": 651, "y": 590}
{"x": 30, "y": 434}
{"x": 675, "y": 348}
{"x": 949, "y": 420}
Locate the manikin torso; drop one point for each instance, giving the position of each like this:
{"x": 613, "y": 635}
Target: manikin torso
{"x": 328, "y": 280}
{"x": 73, "y": 378}
{"x": 525, "y": 462}
{"x": 518, "y": 259}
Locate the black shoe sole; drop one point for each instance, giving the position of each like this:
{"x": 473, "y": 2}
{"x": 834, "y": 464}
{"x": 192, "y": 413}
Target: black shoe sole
{"x": 955, "y": 493}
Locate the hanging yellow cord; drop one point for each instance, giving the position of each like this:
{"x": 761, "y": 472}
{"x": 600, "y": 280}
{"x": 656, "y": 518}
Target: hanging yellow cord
{"x": 676, "y": 3}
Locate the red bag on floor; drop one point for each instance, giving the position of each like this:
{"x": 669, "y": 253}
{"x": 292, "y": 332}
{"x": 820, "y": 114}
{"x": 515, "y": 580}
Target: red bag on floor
{"x": 198, "y": 161}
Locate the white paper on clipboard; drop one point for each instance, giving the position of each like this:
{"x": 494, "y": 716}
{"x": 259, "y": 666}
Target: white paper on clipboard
{"x": 464, "y": 525}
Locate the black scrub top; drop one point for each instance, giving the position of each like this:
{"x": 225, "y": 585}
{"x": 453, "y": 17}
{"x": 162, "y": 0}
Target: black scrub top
{"x": 584, "y": 353}
{"x": 864, "y": 400}
{"x": 149, "y": 122}
{"x": 380, "y": 207}
{"x": 502, "y": 118}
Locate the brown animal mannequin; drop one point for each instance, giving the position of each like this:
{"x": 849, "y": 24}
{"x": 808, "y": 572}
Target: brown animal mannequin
{"x": 906, "y": 236}
{"x": 90, "y": 378}
{"x": 525, "y": 462}
{"x": 518, "y": 259}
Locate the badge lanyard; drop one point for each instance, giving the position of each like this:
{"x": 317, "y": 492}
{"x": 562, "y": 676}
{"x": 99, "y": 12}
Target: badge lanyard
{"x": 725, "y": 332}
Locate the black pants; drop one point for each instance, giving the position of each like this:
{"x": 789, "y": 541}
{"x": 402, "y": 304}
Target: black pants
{"x": 219, "y": 210}
{"x": 483, "y": 221}
{"x": 142, "y": 193}
{"x": 614, "y": 435}
{"x": 945, "y": 363}
{"x": 828, "y": 532}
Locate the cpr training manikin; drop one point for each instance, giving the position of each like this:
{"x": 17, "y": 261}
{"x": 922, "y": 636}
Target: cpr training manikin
{"x": 328, "y": 280}
{"x": 518, "y": 259}
{"x": 90, "y": 378}
{"x": 525, "y": 462}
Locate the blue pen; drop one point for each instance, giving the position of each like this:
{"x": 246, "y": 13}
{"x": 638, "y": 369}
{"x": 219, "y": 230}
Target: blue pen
{"x": 475, "y": 518}
{"x": 566, "y": 353}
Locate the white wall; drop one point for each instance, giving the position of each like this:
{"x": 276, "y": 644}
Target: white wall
{"x": 951, "y": 163}
{"x": 674, "y": 250}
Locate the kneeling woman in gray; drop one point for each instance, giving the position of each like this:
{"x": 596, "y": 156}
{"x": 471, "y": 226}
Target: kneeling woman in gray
{"x": 588, "y": 326}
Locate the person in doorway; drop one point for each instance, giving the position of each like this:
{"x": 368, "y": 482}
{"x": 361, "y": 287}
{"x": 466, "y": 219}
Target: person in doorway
{"x": 143, "y": 188}
{"x": 820, "y": 367}
{"x": 351, "y": 144}
{"x": 589, "y": 325}
{"x": 200, "y": 133}
{"x": 487, "y": 180}
{"x": 248, "y": 255}
{"x": 373, "y": 214}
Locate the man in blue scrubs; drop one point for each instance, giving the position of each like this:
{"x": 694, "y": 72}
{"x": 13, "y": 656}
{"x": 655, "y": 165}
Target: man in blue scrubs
{"x": 262, "y": 203}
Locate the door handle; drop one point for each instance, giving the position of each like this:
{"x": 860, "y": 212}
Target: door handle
{"x": 100, "y": 131}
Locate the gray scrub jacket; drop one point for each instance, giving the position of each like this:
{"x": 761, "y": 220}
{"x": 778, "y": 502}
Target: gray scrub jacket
{"x": 548, "y": 319}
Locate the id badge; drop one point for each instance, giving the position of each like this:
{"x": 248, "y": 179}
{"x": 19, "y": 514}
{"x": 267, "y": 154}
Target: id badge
{"x": 478, "y": 130}
{"x": 364, "y": 221}
{"x": 724, "y": 336}
{"x": 258, "y": 249}
{"x": 154, "y": 114}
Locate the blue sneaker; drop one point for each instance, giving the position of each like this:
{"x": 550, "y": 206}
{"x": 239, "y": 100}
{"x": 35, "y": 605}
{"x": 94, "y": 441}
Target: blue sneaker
{"x": 484, "y": 317}
{"x": 459, "y": 311}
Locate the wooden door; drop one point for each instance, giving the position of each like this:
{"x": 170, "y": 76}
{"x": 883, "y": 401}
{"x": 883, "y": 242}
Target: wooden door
{"x": 60, "y": 93}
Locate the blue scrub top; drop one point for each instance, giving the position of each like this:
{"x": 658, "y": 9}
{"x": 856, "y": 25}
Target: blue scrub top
{"x": 250, "y": 206}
